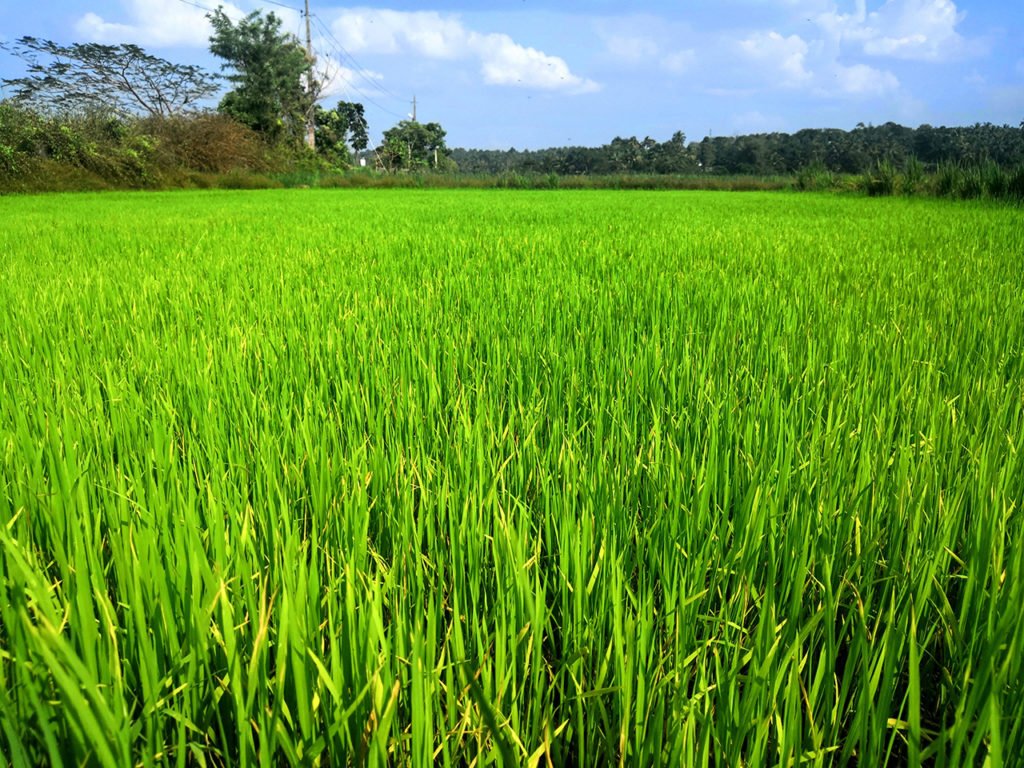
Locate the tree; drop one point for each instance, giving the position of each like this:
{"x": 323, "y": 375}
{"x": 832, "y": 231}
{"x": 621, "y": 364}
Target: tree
{"x": 120, "y": 79}
{"x": 672, "y": 156}
{"x": 269, "y": 69}
{"x": 413, "y": 145}
{"x": 624, "y": 155}
{"x": 706, "y": 154}
{"x": 340, "y": 129}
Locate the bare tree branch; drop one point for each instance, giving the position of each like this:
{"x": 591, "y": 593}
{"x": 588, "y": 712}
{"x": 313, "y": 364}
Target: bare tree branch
{"x": 122, "y": 79}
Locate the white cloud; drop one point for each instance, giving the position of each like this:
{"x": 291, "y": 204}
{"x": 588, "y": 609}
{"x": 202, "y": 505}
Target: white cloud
{"x": 756, "y": 121}
{"x": 505, "y": 62}
{"x": 784, "y": 56}
{"x": 154, "y": 22}
{"x": 426, "y": 33}
{"x": 338, "y": 80}
{"x": 862, "y": 80}
{"x": 915, "y": 29}
{"x": 812, "y": 66}
{"x": 631, "y": 48}
{"x": 922, "y": 30}
{"x": 679, "y": 62}
{"x": 432, "y": 35}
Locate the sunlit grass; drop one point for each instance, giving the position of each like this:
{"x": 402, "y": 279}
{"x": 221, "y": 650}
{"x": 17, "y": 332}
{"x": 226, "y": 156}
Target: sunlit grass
{"x": 542, "y": 477}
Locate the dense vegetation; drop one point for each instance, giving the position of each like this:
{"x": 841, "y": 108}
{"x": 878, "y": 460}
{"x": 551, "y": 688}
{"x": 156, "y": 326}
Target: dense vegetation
{"x": 96, "y": 150}
{"x": 545, "y": 478}
{"x": 103, "y": 151}
{"x": 859, "y": 151}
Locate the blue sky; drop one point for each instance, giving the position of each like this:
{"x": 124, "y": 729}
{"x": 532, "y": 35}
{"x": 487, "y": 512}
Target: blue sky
{"x": 529, "y": 74}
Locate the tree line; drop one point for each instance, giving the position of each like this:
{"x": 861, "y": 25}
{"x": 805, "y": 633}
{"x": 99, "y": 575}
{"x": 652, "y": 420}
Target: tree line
{"x": 862, "y": 150}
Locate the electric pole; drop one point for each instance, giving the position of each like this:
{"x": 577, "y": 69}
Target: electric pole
{"x": 414, "y": 108}
{"x": 310, "y": 120}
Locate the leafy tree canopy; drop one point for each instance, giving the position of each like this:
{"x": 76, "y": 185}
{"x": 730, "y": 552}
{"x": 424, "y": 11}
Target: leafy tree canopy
{"x": 122, "y": 79}
{"x": 270, "y": 71}
{"x": 412, "y": 145}
{"x": 340, "y": 129}
{"x": 860, "y": 150}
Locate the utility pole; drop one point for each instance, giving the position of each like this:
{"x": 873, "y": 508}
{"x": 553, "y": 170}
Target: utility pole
{"x": 414, "y": 108}
{"x": 310, "y": 120}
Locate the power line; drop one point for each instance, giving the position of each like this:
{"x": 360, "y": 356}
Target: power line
{"x": 343, "y": 54}
{"x": 282, "y": 5}
{"x": 197, "y": 5}
{"x": 364, "y": 95}
{"x": 268, "y": 2}
{"x": 341, "y": 73}
{"x": 333, "y": 43}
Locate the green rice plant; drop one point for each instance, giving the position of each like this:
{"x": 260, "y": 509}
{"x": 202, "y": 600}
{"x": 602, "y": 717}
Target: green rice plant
{"x": 420, "y": 477}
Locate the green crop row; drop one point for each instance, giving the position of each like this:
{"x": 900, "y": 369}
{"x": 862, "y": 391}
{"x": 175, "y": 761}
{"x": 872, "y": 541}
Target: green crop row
{"x": 542, "y": 478}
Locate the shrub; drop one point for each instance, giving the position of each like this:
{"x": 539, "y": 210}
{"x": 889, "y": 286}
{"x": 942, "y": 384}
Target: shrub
{"x": 946, "y": 180}
{"x": 19, "y": 131}
{"x": 815, "y": 177}
{"x": 206, "y": 142}
{"x": 994, "y": 180}
{"x": 882, "y": 180}
{"x": 239, "y": 179}
{"x": 1015, "y": 183}
{"x": 913, "y": 180}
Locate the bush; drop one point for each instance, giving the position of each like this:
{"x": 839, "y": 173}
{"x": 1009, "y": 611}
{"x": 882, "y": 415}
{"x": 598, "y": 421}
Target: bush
{"x": 815, "y": 177}
{"x": 970, "y": 184}
{"x": 994, "y": 180}
{"x": 205, "y": 142}
{"x": 240, "y": 179}
{"x": 988, "y": 179}
{"x": 19, "y": 132}
{"x": 103, "y": 145}
{"x": 914, "y": 178}
{"x": 946, "y": 180}
{"x": 882, "y": 180}
{"x": 1015, "y": 183}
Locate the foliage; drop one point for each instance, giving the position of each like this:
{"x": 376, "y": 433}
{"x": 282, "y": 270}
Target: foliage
{"x": 859, "y": 151}
{"x": 412, "y": 145}
{"x": 882, "y": 180}
{"x": 486, "y": 478}
{"x": 100, "y": 144}
{"x": 206, "y": 142}
{"x": 18, "y": 130}
{"x": 965, "y": 182}
{"x": 90, "y": 151}
{"x": 40, "y": 151}
{"x": 340, "y": 131}
{"x": 119, "y": 79}
{"x": 914, "y": 177}
{"x": 815, "y": 177}
{"x": 270, "y": 72}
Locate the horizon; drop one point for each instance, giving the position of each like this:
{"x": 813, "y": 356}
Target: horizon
{"x": 528, "y": 76}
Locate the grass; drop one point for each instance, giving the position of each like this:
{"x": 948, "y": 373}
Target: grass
{"x": 442, "y": 477}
